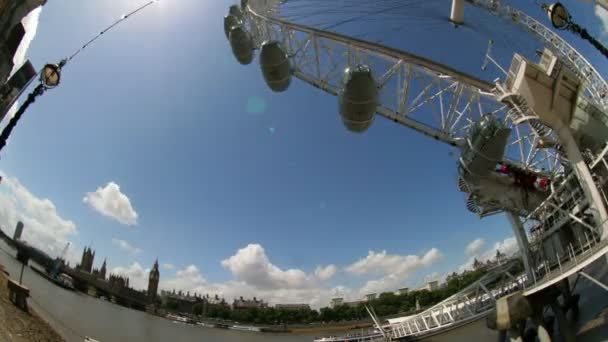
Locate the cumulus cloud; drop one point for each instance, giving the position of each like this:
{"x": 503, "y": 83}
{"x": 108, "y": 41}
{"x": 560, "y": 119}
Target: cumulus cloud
{"x": 190, "y": 279}
{"x": 602, "y": 15}
{"x": 326, "y": 272}
{"x": 474, "y": 246}
{"x": 384, "y": 263}
{"x": 125, "y": 246}
{"x": 252, "y": 266}
{"x": 138, "y": 276}
{"x": 111, "y": 202}
{"x": 169, "y": 266}
{"x": 395, "y": 268}
{"x": 507, "y": 246}
{"x": 254, "y": 275}
{"x": 44, "y": 227}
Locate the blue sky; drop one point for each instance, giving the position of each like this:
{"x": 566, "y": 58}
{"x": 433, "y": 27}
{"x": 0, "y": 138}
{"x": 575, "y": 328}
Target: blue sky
{"x": 240, "y": 189}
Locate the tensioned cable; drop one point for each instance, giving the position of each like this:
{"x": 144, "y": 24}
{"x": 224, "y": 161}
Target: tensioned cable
{"x": 116, "y": 23}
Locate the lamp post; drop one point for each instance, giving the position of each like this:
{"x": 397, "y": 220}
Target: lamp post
{"x": 50, "y": 76}
{"x": 562, "y": 20}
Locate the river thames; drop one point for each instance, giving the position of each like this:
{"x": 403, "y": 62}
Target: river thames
{"x": 75, "y": 315}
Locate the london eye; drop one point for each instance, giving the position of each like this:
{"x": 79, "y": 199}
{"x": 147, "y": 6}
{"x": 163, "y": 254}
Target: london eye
{"x": 530, "y": 143}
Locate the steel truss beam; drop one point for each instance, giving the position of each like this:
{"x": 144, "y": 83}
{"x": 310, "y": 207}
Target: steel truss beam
{"x": 474, "y": 301}
{"x": 408, "y": 84}
{"x": 597, "y": 88}
{"x": 424, "y": 95}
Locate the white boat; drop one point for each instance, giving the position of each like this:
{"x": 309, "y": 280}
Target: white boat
{"x": 355, "y": 337}
{"x": 206, "y": 325}
{"x": 243, "y": 328}
{"x": 179, "y": 319}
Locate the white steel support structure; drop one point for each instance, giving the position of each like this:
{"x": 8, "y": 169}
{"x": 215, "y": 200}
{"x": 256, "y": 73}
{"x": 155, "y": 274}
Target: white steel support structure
{"x": 522, "y": 242}
{"x": 428, "y": 97}
{"x": 597, "y": 87}
{"x": 471, "y": 303}
{"x": 584, "y": 176}
{"x": 443, "y": 103}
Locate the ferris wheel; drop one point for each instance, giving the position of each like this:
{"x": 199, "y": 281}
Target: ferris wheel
{"x": 526, "y": 143}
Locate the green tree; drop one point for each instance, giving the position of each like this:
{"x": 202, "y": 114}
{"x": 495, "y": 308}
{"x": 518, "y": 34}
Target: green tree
{"x": 197, "y": 309}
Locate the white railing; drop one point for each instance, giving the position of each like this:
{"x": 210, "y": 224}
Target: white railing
{"x": 473, "y": 302}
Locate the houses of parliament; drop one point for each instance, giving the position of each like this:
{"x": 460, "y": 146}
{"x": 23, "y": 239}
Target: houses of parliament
{"x": 117, "y": 281}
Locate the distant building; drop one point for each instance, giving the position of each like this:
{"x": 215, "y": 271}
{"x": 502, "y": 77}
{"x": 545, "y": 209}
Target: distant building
{"x": 241, "y": 303}
{"x": 431, "y": 286}
{"x": 452, "y": 276}
{"x": 292, "y": 306}
{"x": 371, "y": 296}
{"x": 86, "y": 263}
{"x": 178, "y": 302}
{"x": 336, "y": 302}
{"x": 100, "y": 273}
{"x": 478, "y": 265}
{"x": 12, "y": 31}
{"x": 184, "y": 303}
{"x": 118, "y": 282}
{"x": 354, "y": 303}
{"x": 402, "y": 291}
{"x": 500, "y": 258}
{"x": 153, "y": 281}
{"x": 18, "y": 231}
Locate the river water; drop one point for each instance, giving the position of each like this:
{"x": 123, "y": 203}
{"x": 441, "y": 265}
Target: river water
{"x": 76, "y": 315}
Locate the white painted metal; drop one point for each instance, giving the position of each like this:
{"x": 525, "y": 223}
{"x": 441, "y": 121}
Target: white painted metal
{"x": 522, "y": 240}
{"x": 429, "y": 97}
{"x": 409, "y": 83}
{"x": 597, "y": 87}
{"x": 471, "y": 303}
{"x": 457, "y": 13}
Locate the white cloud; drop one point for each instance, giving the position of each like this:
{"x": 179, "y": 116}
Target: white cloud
{"x": 326, "y": 272}
{"x": 474, "y": 246}
{"x": 138, "y": 276}
{"x": 256, "y": 276}
{"x": 507, "y": 246}
{"x": 169, "y": 266}
{"x": 252, "y": 266}
{"x": 602, "y": 15}
{"x": 43, "y": 226}
{"x": 111, "y": 202}
{"x": 383, "y": 263}
{"x": 125, "y": 246}
{"x": 190, "y": 279}
{"x": 395, "y": 268}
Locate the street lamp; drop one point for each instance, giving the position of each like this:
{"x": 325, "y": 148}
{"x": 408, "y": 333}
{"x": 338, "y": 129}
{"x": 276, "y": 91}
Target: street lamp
{"x": 562, "y": 20}
{"x": 50, "y": 76}
{"x": 559, "y": 16}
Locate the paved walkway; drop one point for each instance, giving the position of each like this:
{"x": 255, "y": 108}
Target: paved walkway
{"x": 18, "y": 326}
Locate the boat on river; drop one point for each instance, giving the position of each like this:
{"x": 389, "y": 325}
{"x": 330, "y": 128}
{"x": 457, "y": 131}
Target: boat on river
{"x": 244, "y": 328}
{"x": 179, "y": 319}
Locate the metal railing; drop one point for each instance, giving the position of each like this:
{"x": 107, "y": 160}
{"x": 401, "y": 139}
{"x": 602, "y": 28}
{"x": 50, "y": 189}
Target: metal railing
{"x": 473, "y": 302}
